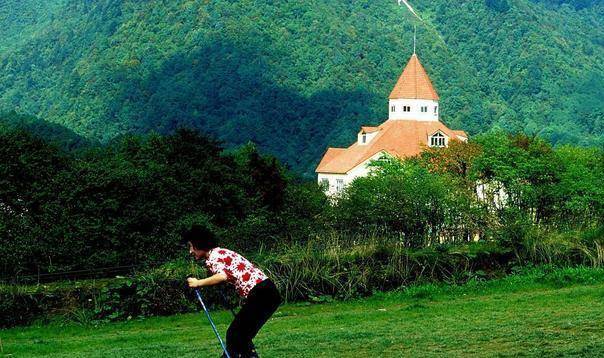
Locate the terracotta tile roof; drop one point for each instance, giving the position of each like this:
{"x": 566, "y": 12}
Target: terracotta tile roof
{"x": 461, "y": 133}
{"x": 400, "y": 138}
{"x": 369, "y": 129}
{"x": 414, "y": 83}
{"x": 330, "y": 154}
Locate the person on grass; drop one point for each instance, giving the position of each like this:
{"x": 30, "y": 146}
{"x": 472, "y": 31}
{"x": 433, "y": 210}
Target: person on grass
{"x": 261, "y": 297}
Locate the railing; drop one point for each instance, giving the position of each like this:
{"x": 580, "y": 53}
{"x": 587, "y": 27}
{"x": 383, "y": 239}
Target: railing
{"x": 96, "y": 273}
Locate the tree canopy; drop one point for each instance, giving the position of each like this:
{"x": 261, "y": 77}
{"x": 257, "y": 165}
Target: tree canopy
{"x": 297, "y": 76}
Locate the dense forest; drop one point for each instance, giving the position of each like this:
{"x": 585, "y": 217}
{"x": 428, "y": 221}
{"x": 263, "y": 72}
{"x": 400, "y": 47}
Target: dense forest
{"x": 54, "y": 133}
{"x": 125, "y": 203}
{"x": 297, "y": 76}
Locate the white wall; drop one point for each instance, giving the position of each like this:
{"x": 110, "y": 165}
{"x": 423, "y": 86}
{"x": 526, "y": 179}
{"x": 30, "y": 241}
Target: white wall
{"x": 370, "y": 136}
{"x": 332, "y": 182}
{"x": 360, "y": 170}
{"x": 463, "y": 139}
{"x": 415, "y": 112}
{"x": 492, "y": 193}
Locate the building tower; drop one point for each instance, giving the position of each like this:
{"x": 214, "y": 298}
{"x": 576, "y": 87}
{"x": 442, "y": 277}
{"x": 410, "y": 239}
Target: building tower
{"x": 413, "y": 124}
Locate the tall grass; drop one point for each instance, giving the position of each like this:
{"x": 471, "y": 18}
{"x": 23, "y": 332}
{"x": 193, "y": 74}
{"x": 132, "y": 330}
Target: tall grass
{"x": 331, "y": 266}
{"x": 563, "y": 249}
{"x": 346, "y": 267}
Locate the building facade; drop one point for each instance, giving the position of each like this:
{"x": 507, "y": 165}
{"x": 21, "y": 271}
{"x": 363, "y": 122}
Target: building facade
{"x": 413, "y": 124}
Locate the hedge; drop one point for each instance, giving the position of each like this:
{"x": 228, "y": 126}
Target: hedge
{"x": 304, "y": 273}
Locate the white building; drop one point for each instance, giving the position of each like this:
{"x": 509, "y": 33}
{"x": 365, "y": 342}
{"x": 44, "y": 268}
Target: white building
{"x": 413, "y": 124}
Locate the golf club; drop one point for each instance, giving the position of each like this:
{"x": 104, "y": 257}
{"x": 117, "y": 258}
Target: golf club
{"x": 226, "y": 353}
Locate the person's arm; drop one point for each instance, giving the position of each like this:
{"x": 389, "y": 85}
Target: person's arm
{"x": 208, "y": 281}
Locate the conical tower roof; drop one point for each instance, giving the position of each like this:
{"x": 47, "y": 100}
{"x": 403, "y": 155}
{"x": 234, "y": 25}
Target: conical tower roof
{"x": 414, "y": 83}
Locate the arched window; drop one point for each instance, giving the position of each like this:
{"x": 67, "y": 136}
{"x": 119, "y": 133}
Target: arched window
{"x": 438, "y": 140}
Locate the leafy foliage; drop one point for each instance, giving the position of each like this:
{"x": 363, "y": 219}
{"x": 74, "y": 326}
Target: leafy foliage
{"x": 514, "y": 189}
{"x": 125, "y": 203}
{"x": 409, "y": 221}
{"x": 251, "y": 70}
{"x": 404, "y": 198}
{"x": 51, "y": 132}
{"x": 310, "y": 272}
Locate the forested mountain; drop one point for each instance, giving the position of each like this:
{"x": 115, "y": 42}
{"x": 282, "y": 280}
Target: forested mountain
{"x": 51, "y": 132}
{"x": 297, "y": 76}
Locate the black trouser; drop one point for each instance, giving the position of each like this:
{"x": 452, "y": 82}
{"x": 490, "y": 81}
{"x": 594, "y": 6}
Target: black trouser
{"x": 262, "y": 301}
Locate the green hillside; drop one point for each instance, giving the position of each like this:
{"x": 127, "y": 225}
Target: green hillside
{"x": 297, "y": 76}
{"x": 53, "y": 133}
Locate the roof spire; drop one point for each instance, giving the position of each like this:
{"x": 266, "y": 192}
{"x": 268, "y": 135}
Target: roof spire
{"x": 414, "y": 83}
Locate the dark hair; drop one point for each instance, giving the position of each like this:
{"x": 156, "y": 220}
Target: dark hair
{"x": 201, "y": 237}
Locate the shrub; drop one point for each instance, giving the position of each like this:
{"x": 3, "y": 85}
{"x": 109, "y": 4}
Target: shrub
{"x": 158, "y": 292}
{"x": 325, "y": 268}
{"x": 405, "y": 199}
{"x": 315, "y": 271}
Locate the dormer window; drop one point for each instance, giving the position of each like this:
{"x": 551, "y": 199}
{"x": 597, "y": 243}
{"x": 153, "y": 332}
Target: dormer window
{"x": 437, "y": 140}
{"x": 364, "y": 138}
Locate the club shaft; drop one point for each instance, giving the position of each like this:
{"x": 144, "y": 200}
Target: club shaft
{"x": 205, "y": 309}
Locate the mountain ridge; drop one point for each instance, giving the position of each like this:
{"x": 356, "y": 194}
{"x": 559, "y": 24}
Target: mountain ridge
{"x": 298, "y": 77}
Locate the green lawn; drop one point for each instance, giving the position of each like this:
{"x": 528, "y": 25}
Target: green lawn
{"x": 503, "y": 321}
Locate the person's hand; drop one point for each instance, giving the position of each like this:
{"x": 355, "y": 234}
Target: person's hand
{"x": 193, "y": 282}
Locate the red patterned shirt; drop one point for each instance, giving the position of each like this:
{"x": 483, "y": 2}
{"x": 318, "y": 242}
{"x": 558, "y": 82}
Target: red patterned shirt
{"x": 240, "y": 272}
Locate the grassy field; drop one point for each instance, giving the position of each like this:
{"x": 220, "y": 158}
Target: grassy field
{"x": 509, "y": 317}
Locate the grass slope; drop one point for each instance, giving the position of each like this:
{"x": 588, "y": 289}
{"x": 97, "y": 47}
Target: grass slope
{"x": 504, "y": 318}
